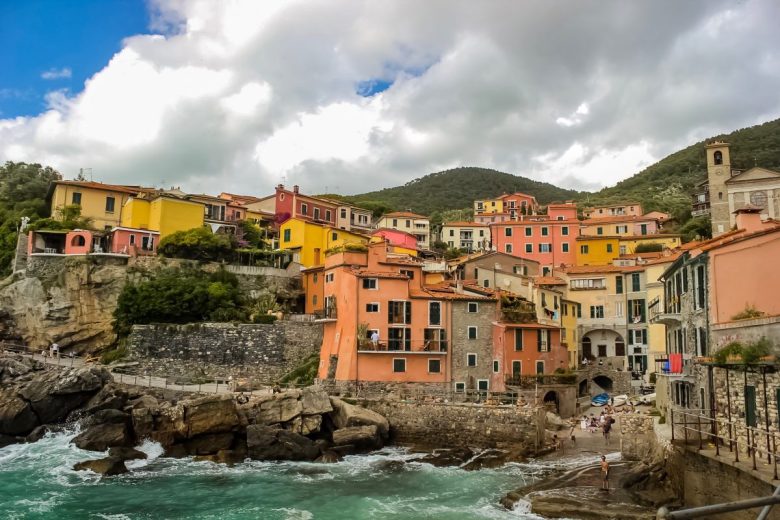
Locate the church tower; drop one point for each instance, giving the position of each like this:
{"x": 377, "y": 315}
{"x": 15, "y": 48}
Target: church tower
{"x": 718, "y": 172}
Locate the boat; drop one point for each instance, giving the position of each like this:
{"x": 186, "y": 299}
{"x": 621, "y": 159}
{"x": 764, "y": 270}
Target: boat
{"x": 647, "y": 399}
{"x": 619, "y": 400}
{"x": 600, "y": 399}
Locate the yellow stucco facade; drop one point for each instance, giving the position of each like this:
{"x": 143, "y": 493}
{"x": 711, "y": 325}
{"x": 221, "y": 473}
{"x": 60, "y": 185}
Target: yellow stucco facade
{"x": 101, "y": 203}
{"x": 163, "y": 214}
{"x": 569, "y": 332}
{"x": 488, "y": 206}
{"x": 595, "y": 250}
{"x": 310, "y": 241}
{"x": 628, "y": 244}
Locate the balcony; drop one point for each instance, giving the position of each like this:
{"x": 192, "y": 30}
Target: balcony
{"x": 415, "y": 346}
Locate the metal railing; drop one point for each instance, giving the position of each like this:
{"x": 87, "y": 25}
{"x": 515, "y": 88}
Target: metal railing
{"x": 400, "y": 345}
{"x": 700, "y": 426}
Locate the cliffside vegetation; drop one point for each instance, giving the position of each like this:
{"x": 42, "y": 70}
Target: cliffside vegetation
{"x": 22, "y": 193}
{"x": 183, "y": 295}
{"x": 197, "y": 244}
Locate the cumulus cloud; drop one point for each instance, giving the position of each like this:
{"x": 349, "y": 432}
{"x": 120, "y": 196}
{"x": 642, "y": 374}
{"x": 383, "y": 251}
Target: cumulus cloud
{"x": 358, "y": 95}
{"x": 64, "y": 72}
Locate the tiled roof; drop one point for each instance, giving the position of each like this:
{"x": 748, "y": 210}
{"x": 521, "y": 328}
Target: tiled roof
{"x": 464, "y": 224}
{"x": 549, "y": 280}
{"x": 736, "y": 236}
{"x": 404, "y": 214}
{"x": 381, "y": 274}
{"x": 588, "y": 269}
{"x": 527, "y": 326}
{"x": 617, "y": 218}
{"x": 105, "y": 187}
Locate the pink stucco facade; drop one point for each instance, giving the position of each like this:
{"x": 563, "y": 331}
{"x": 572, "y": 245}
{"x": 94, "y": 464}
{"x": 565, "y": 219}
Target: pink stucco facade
{"x": 397, "y": 238}
{"x": 134, "y": 242}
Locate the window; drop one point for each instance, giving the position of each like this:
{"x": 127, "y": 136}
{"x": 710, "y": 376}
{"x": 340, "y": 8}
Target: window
{"x": 287, "y": 235}
{"x": 327, "y": 215}
{"x": 622, "y": 250}
{"x": 496, "y": 368}
{"x": 408, "y": 223}
{"x": 618, "y": 309}
{"x": 685, "y": 279}
{"x": 596, "y": 312}
{"x": 304, "y": 209}
{"x": 399, "y": 338}
{"x": 434, "y": 366}
{"x": 643, "y": 229}
{"x": 370, "y": 283}
{"x": 482, "y": 232}
{"x": 76, "y": 199}
{"x": 717, "y": 157}
{"x": 529, "y": 231}
{"x": 508, "y": 248}
{"x": 316, "y": 213}
{"x": 314, "y": 300}
{"x": 330, "y": 307}
{"x": 701, "y": 341}
{"x": 485, "y": 283}
{"x": 460, "y": 387}
{"x": 636, "y": 311}
{"x": 507, "y": 231}
{"x": 545, "y": 248}
{"x": 483, "y": 385}
{"x": 635, "y": 282}
{"x": 399, "y": 312}
{"x": 545, "y": 231}
{"x": 540, "y": 367}
{"x": 565, "y": 247}
{"x": 334, "y": 236}
{"x": 452, "y": 232}
{"x": 700, "y": 287}
{"x": 314, "y": 278}
{"x": 565, "y": 231}
{"x": 329, "y": 277}
{"x": 472, "y": 332}
{"x": 132, "y": 240}
{"x": 543, "y": 340}
{"x": 110, "y": 202}
{"x": 399, "y": 365}
{"x": 471, "y": 360}
{"x": 372, "y": 307}
{"x": 473, "y": 307}
{"x": 588, "y": 283}
{"x": 147, "y": 243}
{"x": 583, "y": 250}
{"x": 434, "y": 313}
{"x": 619, "y": 284}
{"x": 343, "y": 213}
{"x": 599, "y": 230}
{"x": 609, "y": 248}
{"x": 435, "y": 340}
{"x": 395, "y": 222}
{"x": 529, "y": 248}
{"x": 579, "y": 310}
{"x": 518, "y": 340}
{"x": 621, "y": 230}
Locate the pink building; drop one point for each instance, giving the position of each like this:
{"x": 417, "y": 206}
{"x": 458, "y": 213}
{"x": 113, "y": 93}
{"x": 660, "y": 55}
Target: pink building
{"x": 548, "y": 239}
{"x": 134, "y": 242}
{"x": 60, "y": 242}
{"x": 293, "y": 204}
{"x": 396, "y": 237}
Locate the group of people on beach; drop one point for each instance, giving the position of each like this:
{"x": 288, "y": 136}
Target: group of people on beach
{"x": 592, "y": 424}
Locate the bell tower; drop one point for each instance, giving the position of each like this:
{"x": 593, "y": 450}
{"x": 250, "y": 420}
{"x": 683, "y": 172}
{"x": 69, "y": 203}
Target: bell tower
{"x": 718, "y": 172}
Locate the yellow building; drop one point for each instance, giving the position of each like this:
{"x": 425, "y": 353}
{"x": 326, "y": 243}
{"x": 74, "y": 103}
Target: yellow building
{"x": 164, "y": 214}
{"x": 569, "y": 310}
{"x": 656, "y": 341}
{"x": 603, "y": 250}
{"x": 101, "y": 203}
{"x": 309, "y": 241}
{"x": 488, "y": 206}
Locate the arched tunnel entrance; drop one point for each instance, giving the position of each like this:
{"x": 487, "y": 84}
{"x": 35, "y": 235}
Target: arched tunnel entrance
{"x": 603, "y": 383}
{"x": 551, "y": 401}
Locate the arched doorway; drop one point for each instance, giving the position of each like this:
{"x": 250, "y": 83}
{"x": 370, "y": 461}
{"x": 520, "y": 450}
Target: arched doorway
{"x": 603, "y": 383}
{"x": 551, "y": 401}
{"x": 78, "y": 241}
{"x": 606, "y": 347}
{"x": 582, "y": 388}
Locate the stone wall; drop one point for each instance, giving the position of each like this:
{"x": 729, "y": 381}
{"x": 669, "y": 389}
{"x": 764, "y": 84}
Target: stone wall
{"x": 462, "y": 345}
{"x": 621, "y": 379}
{"x": 638, "y": 437}
{"x": 457, "y": 425}
{"x": 260, "y": 353}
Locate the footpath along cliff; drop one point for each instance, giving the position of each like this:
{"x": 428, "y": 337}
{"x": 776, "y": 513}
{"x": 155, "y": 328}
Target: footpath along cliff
{"x": 302, "y": 425}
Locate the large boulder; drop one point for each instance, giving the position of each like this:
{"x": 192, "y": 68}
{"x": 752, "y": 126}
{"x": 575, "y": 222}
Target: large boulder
{"x": 164, "y": 424}
{"x": 208, "y": 444}
{"x": 105, "y": 429}
{"x": 16, "y": 415}
{"x": 109, "y": 397}
{"x": 361, "y": 437}
{"x": 12, "y": 368}
{"x": 107, "y": 466}
{"x": 126, "y": 453}
{"x": 54, "y": 394}
{"x": 211, "y": 414}
{"x": 268, "y": 443}
{"x": 275, "y": 409}
{"x": 315, "y": 401}
{"x": 346, "y": 415}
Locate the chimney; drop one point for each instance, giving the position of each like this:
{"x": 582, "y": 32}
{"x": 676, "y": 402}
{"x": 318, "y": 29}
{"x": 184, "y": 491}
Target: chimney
{"x": 295, "y": 189}
{"x": 280, "y": 186}
{"x": 749, "y": 219}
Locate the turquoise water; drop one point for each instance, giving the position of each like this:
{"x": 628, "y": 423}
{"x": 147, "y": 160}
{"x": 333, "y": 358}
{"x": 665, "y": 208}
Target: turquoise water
{"x": 36, "y": 481}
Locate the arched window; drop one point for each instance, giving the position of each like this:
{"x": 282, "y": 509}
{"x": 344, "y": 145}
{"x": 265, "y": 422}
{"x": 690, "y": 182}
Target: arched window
{"x": 78, "y": 241}
{"x": 717, "y": 157}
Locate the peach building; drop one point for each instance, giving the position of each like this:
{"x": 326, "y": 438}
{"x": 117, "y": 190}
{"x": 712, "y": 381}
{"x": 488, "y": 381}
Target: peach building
{"x": 442, "y": 334}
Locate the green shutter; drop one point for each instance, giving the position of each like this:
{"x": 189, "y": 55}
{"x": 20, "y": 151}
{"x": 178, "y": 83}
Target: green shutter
{"x": 539, "y": 340}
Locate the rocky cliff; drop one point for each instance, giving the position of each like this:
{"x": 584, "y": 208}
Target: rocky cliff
{"x": 69, "y": 300}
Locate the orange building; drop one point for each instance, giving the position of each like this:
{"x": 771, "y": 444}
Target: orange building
{"x": 443, "y": 334}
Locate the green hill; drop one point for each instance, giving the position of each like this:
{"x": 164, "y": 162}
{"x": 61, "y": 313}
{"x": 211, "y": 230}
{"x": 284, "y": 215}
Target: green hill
{"x": 457, "y": 189}
{"x": 668, "y": 184}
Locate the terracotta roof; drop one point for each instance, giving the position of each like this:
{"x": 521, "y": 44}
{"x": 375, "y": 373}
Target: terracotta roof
{"x": 381, "y": 274}
{"x": 464, "y": 224}
{"x": 527, "y": 326}
{"x": 615, "y": 205}
{"x": 549, "y": 280}
{"x": 404, "y": 214}
{"x": 241, "y": 199}
{"x": 587, "y": 269}
{"x": 736, "y": 236}
{"x": 101, "y": 186}
{"x": 629, "y": 237}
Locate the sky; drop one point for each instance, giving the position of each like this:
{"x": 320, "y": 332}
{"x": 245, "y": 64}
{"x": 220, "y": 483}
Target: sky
{"x": 352, "y": 96}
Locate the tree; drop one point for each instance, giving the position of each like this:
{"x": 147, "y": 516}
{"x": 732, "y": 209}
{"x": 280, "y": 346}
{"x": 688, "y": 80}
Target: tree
{"x": 197, "y": 244}
{"x": 697, "y": 228}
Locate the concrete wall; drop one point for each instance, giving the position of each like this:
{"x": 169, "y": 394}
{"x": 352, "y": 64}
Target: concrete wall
{"x": 450, "y": 425}
{"x": 261, "y": 353}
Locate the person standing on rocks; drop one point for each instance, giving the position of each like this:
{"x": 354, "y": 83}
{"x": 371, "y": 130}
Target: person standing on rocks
{"x": 604, "y": 473}
{"x": 607, "y": 427}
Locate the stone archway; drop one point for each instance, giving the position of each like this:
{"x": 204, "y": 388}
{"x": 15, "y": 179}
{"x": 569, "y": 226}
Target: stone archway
{"x": 604, "y": 382}
{"x": 552, "y": 401}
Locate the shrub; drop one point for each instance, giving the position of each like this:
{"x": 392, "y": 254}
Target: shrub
{"x": 197, "y": 244}
{"x": 305, "y": 373}
{"x": 263, "y": 318}
{"x": 115, "y": 354}
{"x": 750, "y": 312}
{"x": 179, "y": 296}
{"x": 732, "y": 349}
{"x": 649, "y": 247}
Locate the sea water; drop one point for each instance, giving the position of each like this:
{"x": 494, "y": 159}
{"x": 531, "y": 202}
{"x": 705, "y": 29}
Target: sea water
{"x": 37, "y": 482}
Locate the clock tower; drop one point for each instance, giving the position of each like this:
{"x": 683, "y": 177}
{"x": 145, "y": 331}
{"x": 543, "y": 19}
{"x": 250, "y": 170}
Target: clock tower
{"x": 718, "y": 172}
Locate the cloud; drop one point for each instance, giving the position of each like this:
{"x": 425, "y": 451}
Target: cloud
{"x": 364, "y": 95}
{"x": 64, "y": 72}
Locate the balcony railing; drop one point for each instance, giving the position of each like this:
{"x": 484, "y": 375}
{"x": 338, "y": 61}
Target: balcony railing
{"x": 401, "y": 345}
